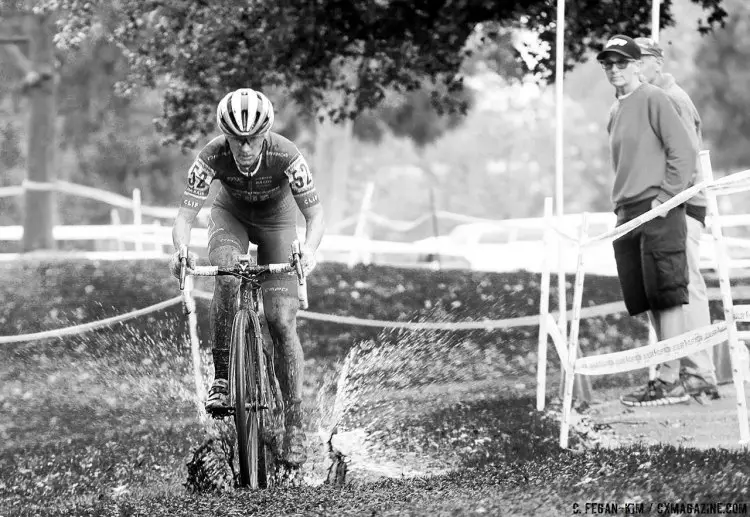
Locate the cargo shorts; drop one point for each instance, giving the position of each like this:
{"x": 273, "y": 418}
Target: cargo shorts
{"x": 652, "y": 259}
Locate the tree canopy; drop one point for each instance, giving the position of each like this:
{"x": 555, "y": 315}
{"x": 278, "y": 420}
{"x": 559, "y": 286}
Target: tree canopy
{"x": 338, "y": 55}
{"x": 721, "y": 92}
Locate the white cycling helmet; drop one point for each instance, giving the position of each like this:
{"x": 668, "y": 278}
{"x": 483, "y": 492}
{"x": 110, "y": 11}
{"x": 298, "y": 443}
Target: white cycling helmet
{"x": 244, "y": 112}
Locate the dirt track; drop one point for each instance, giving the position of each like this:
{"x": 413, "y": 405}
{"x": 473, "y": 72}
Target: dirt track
{"x": 709, "y": 425}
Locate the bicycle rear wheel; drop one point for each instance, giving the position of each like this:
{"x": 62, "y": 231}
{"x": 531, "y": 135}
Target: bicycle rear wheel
{"x": 246, "y": 396}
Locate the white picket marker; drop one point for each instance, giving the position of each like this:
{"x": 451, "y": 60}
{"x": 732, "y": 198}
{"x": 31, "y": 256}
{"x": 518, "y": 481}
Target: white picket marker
{"x": 726, "y": 295}
{"x": 573, "y": 341}
{"x": 190, "y": 309}
{"x": 137, "y": 218}
{"x": 652, "y": 338}
{"x": 557, "y": 339}
{"x": 541, "y": 370}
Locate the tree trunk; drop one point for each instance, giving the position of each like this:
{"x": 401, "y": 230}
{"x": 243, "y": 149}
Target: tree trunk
{"x": 40, "y": 210}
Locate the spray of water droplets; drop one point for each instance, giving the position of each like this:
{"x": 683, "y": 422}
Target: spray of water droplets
{"x": 392, "y": 379}
{"x": 143, "y": 369}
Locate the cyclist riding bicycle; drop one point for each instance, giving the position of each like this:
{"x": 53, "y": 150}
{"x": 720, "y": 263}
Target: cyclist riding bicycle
{"x": 263, "y": 178}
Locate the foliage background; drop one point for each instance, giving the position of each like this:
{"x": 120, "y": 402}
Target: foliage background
{"x": 497, "y": 161}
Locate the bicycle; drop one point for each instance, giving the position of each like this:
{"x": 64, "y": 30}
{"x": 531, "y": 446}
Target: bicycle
{"x": 254, "y": 391}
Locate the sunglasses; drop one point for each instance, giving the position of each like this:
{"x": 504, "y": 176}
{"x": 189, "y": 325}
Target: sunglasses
{"x": 241, "y": 140}
{"x": 621, "y": 64}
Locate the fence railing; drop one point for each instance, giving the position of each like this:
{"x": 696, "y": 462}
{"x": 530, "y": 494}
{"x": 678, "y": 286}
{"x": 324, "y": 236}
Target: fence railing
{"x": 567, "y": 346}
{"x": 464, "y": 247}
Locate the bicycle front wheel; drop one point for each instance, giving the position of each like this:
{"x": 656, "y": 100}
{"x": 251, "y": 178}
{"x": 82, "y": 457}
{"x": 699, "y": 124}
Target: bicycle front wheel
{"x": 243, "y": 372}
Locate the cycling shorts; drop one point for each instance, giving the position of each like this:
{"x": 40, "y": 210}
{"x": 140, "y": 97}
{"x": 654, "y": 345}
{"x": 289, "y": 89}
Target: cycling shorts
{"x": 272, "y": 227}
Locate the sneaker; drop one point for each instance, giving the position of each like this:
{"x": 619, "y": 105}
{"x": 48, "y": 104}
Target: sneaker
{"x": 218, "y": 397}
{"x": 294, "y": 452}
{"x": 695, "y": 385}
{"x": 657, "y": 393}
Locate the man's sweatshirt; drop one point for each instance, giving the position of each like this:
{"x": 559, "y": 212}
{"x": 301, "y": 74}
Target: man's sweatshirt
{"x": 692, "y": 120}
{"x": 652, "y": 153}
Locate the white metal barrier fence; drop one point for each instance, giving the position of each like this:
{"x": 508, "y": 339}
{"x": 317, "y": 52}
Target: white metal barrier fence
{"x": 656, "y": 352}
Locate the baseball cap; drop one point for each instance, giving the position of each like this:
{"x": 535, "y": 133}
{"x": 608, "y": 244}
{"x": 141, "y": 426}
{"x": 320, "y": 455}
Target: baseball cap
{"x": 649, "y": 47}
{"x": 622, "y": 45}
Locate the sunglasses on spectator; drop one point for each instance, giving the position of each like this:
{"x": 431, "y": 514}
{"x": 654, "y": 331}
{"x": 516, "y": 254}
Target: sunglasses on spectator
{"x": 621, "y": 64}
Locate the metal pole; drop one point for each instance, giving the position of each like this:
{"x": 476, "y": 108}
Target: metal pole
{"x": 655, "y": 8}
{"x": 559, "y": 72}
{"x": 652, "y": 337}
{"x": 559, "y": 127}
{"x": 582, "y": 385}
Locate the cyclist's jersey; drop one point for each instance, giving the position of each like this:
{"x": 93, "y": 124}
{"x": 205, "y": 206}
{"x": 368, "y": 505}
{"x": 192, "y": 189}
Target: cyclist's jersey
{"x": 282, "y": 172}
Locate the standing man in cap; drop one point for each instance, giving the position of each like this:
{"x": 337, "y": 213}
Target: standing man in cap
{"x": 654, "y": 158}
{"x": 698, "y": 373}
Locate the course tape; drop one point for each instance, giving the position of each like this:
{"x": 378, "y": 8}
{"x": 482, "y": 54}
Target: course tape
{"x": 651, "y": 214}
{"x": 79, "y": 329}
{"x": 741, "y": 313}
{"x": 737, "y": 182}
{"x": 657, "y": 353}
{"x": 522, "y": 321}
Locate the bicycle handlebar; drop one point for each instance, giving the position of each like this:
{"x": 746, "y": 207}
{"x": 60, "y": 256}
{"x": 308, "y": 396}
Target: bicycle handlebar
{"x": 235, "y": 270}
{"x": 293, "y": 266}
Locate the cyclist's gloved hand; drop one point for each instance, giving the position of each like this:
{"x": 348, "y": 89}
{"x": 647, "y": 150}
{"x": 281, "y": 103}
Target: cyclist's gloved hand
{"x": 307, "y": 257}
{"x": 174, "y": 262}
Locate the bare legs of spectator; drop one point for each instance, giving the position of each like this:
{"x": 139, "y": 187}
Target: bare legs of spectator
{"x": 668, "y": 323}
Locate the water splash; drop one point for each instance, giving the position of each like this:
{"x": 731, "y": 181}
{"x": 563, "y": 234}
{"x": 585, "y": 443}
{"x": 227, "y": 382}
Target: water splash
{"x": 384, "y": 384}
{"x": 143, "y": 372}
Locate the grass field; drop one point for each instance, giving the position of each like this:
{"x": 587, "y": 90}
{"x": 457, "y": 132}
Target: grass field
{"x": 439, "y": 423}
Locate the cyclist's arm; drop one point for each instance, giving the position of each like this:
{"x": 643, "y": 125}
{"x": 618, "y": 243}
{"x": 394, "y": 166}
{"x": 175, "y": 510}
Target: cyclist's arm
{"x": 193, "y": 198}
{"x": 315, "y": 223}
{"x": 303, "y": 190}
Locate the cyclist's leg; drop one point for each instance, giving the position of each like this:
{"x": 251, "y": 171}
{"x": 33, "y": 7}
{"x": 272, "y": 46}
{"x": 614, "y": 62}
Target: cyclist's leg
{"x": 227, "y": 238}
{"x": 281, "y": 304}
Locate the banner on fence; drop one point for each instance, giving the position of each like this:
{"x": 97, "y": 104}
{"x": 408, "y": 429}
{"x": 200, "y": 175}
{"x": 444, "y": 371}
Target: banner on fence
{"x": 657, "y": 353}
